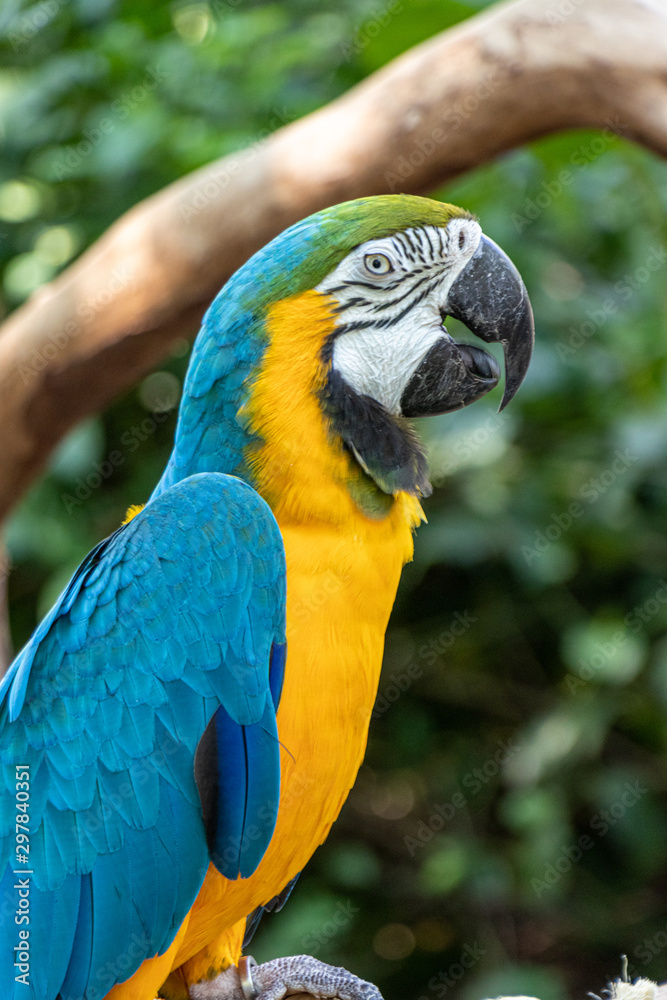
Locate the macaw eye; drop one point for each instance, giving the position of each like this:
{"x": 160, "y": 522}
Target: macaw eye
{"x": 377, "y": 263}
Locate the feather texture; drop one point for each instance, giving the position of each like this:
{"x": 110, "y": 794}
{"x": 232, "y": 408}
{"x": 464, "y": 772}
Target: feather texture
{"x": 177, "y": 614}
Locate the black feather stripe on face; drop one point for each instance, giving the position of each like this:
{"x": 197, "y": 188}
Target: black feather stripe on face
{"x": 385, "y": 446}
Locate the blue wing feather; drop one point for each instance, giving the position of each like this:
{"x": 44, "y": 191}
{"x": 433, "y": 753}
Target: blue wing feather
{"x": 164, "y": 625}
{"x": 277, "y": 671}
{"x": 238, "y": 775}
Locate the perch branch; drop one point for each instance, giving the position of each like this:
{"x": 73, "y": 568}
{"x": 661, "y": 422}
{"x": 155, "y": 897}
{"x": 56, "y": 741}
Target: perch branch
{"x": 5, "y": 635}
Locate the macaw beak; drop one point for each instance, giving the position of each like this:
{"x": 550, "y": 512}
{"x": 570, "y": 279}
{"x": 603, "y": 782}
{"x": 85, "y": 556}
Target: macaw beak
{"x": 491, "y": 299}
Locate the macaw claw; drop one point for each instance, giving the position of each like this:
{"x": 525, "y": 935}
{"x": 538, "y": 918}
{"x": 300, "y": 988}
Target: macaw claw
{"x": 284, "y": 976}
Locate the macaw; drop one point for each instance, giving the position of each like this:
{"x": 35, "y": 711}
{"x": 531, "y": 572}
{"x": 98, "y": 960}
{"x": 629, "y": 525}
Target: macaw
{"x": 181, "y": 730}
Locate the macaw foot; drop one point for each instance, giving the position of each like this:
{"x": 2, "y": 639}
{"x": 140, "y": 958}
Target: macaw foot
{"x": 282, "y": 976}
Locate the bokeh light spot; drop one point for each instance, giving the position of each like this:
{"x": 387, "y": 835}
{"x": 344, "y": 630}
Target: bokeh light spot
{"x": 19, "y": 200}
{"x": 160, "y": 392}
{"x": 394, "y": 941}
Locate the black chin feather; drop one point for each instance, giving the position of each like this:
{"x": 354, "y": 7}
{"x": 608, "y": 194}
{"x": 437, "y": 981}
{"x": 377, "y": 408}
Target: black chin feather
{"x": 386, "y": 446}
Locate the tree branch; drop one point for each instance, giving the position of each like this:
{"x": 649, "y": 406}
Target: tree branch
{"x": 5, "y": 634}
{"x": 516, "y": 72}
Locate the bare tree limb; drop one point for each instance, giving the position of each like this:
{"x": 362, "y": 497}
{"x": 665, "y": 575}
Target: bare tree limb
{"x": 5, "y": 634}
{"x": 516, "y": 72}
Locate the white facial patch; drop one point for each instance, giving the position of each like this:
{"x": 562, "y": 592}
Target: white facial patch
{"x": 380, "y": 363}
{"x": 391, "y": 294}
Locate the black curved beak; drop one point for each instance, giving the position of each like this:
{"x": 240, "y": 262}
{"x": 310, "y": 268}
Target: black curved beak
{"x": 449, "y": 377}
{"x": 491, "y": 299}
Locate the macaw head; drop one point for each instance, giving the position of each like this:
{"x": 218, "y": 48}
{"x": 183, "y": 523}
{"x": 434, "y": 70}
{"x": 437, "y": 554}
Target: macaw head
{"x": 337, "y": 331}
{"x": 392, "y": 296}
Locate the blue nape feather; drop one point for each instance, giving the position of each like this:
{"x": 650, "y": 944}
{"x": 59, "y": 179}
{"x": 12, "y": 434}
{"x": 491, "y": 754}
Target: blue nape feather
{"x": 167, "y": 643}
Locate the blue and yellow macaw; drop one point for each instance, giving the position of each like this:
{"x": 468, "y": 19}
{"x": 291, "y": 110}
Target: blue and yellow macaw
{"x": 168, "y": 770}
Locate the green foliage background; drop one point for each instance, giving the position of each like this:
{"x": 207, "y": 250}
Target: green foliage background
{"x": 507, "y": 832}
